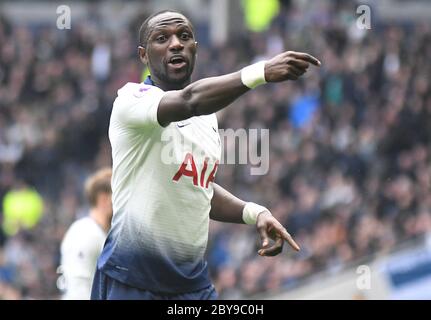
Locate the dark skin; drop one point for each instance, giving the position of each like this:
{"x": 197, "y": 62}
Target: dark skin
{"x": 170, "y": 54}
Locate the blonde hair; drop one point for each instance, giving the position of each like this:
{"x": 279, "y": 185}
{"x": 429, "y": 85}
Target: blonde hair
{"x": 99, "y": 182}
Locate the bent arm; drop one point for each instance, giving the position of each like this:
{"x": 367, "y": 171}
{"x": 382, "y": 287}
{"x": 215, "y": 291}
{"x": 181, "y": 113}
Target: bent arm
{"x": 225, "y": 207}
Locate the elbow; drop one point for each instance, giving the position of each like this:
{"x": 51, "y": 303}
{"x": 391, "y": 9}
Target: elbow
{"x": 190, "y": 102}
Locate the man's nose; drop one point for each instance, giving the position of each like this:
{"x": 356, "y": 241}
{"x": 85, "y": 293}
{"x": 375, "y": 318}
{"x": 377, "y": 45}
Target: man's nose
{"x": 175, "y": 44}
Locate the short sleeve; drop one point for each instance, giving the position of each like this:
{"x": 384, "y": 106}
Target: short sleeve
{"x": 137, "y": 104}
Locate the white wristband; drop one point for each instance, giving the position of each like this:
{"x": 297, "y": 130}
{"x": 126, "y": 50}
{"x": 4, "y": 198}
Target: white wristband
{"x": 251, "y": 211}
{"x": 253, "y": 75}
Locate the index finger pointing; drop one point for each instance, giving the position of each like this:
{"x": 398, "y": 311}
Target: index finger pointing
{"x": 286, "y": 236}
{"x": 307, "y": 57}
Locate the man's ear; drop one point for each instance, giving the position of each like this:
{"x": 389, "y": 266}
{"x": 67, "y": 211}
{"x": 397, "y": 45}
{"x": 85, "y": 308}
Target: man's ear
{"x": 143, "y": 54}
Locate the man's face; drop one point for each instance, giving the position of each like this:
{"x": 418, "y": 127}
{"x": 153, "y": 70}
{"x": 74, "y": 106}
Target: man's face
{"x": 171, "y": 49}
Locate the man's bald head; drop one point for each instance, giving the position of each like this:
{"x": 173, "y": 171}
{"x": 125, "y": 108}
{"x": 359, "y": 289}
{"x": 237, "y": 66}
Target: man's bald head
{"x": 148, "y": 24}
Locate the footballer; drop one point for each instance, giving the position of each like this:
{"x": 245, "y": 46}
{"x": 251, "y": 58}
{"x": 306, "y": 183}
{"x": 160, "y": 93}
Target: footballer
{"x": 83, "y": 241}
{"x": 155, "y": 248}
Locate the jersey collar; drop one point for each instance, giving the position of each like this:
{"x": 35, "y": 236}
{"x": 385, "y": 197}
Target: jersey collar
{"x": 149, "y": 81}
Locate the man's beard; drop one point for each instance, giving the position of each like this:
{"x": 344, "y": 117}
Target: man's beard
{"x": 177, "y": 83}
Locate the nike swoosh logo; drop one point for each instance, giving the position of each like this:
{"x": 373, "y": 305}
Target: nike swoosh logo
{"x": 182, "y": 125}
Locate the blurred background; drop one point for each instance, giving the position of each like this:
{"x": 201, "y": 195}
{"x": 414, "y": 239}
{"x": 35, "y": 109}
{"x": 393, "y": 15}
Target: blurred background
{"x": 350, "y": 169}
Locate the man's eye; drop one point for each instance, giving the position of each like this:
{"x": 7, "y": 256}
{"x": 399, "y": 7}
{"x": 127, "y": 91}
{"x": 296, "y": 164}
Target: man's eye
{"x": 185, "y": 36}
{"x": 161, "y": 38}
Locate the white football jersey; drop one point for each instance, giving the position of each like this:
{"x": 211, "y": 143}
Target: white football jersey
{"x": 161, "y": 193}
{"x": 80, "y": 248}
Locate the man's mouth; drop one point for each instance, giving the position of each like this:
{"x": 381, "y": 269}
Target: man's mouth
{"x": 177, "y": 62}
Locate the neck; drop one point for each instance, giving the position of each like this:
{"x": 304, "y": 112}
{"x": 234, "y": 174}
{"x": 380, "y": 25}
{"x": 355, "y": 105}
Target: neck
{"x": 101, "y": 218}
{"x": 170, "y": 86}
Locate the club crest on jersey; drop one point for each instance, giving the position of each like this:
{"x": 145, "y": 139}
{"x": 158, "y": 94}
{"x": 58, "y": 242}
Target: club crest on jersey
{"x": 198, "y": 179}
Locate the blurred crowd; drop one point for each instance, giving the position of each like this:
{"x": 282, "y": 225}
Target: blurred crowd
{"x": 349, "y": 172}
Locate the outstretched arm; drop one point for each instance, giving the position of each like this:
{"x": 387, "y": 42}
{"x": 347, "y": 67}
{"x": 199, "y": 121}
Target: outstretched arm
{"x": 209, "y": 95}
{"x": 225, "y": 207}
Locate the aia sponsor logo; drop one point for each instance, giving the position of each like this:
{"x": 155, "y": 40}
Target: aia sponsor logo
{"x": 198, "y": 178}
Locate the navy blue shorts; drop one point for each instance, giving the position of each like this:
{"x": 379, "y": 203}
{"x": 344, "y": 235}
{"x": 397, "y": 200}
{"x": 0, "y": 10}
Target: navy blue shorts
{"x": 107, "y": 288}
